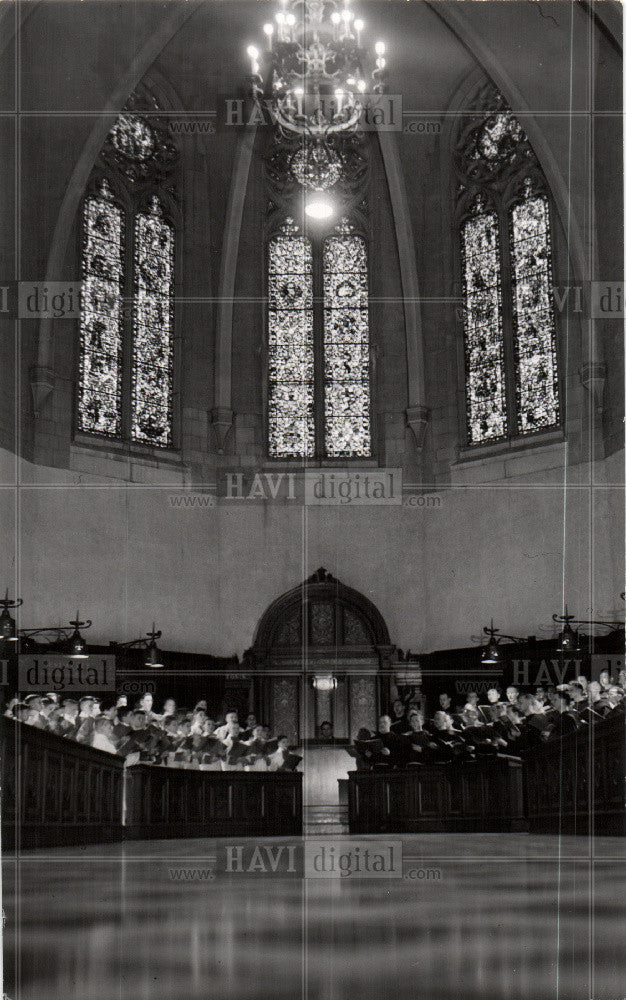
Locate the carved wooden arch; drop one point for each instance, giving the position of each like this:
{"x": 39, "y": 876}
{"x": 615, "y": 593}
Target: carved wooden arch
{"x": 321, "y": 585}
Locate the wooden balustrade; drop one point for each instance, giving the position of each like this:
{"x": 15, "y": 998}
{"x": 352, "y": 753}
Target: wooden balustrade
{"x": 475, "y": 796}
{"x": 58, "y": 792}
{"x": 170, "y": 802}
{"x": 576, "y": 785}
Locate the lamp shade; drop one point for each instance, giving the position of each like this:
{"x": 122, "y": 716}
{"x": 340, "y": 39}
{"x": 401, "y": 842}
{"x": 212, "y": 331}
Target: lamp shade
{"x": 77, "y": 647}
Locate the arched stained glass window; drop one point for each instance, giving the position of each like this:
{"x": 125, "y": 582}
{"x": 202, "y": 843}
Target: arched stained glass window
{"x": 291, "y": 364}
{"x": 511, "y": 363}
{"x": 99, "y": 406}
{"x": 319, "y": 369}
{"x": 125, "y": 387}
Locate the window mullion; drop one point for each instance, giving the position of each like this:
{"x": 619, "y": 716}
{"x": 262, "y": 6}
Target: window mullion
{"x": 507, "y": 325}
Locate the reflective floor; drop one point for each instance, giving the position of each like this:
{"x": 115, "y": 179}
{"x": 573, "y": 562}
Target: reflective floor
{"x": 472, "y": 916}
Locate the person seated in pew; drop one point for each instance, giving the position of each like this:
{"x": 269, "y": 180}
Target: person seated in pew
{"x": 258, "y": 751}
{"x": 561, "y": 721}
{"x": 420, "y": 748}
{"x": 140, "y": 740}
{"x": 450, "y": 744}
{"x": 368, "y": 750}
{"x": 102, "y": 737}
{"x": 391, "y": 741}
{"x": 231, "y": 720}
{"x": 399, "y": 723}
{"x": 491, "y": 709}
{"x": 326, "y": 732}
{"x": 283, "y": 759}
{"x": 249, "y": 725}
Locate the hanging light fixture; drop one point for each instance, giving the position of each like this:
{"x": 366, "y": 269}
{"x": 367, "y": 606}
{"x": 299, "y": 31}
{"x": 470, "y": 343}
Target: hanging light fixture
{"x": 68, "y": 641}
{"x": 569, "y": 638}
{"x": 324, "y": 682}
{"x": 76, "y": 645}
{"x": 153, "y": 656}
{"x": 491, "y": 652}
{"x": 309, "y": 73}
{"x": 8, "y": 629}
{"x": 311, "y": 68}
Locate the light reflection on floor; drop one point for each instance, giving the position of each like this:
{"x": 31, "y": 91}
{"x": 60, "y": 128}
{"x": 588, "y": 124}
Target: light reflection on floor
{"x": 510, "y": 916}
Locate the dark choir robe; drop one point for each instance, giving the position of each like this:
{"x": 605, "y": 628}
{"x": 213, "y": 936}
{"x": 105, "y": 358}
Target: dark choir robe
{"x": 368, "y": 751}
{"x": 290, "y": 761}
{"x": 418, "y": 747}
{"x": 400, "y": 726}
{"x": 559, "y": 725}
{"x": 395, "y": 745}
{"x": 139, "y": 741}
{"x": 482, "y": 738}
{"x": 121, "y": 732}
{"x": 451, "y": 746}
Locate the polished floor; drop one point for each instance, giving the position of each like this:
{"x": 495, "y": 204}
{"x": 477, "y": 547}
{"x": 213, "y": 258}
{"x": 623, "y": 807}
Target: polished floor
{"x": 473, "y": 916}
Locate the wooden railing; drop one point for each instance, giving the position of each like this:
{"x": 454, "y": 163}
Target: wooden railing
{"x": 168, "y": 802}
{"x": 482, "y": 795}
{"x": 576, "y": 785}
{"x": 58, "y": 792}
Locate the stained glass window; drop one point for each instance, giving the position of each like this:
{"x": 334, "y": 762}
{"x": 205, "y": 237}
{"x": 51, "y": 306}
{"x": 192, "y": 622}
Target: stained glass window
{"x": 152, "y": 341}
{"x": 99, "y": 404}
{"x": 128, "y": 253}
{"x": 133, "y": 137}
{"x": 329, "y": 343}
{"x": 291, "y": 375}
{"x": 346, "y": 346}
{"x": 511, "y": 368}
{"x": 536, "y": 370}
{"x": 484, "y": 358}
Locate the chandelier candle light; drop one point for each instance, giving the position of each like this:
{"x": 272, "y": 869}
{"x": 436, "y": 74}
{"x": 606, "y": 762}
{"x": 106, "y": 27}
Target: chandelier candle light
{"x": 311, "y": 75}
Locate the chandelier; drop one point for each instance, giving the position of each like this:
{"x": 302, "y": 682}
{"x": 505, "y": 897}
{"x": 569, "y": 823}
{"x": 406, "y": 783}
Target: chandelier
{"x": 310, "y": 72}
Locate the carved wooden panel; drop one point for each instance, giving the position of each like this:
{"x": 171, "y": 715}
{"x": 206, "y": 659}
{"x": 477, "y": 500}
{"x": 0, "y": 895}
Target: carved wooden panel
{"x": 362, "y": 704}
{"x": 285, "y": 702}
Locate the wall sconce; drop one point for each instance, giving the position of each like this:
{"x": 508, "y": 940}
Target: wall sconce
{"x": 72, "y": 644}
{"x": 492, "y": 653}
{"x": 153, "y": 658}
{"x": 568, "y": 639}
{"x": 324, "y": 682}
{"x": 8, "y": 630}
